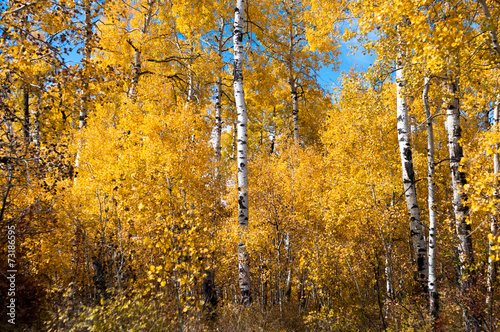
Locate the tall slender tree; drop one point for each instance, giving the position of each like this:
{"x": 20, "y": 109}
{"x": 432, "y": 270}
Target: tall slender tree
{"x": 239, "y": 97}
{"x": 431, "y": 192}
{"x": 492, "y": 268}
{"x": 460, "y": 208}
{"x": 410, "y": 189}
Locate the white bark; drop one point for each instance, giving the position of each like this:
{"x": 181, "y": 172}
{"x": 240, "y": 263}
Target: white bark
{"x": 416, "y": 227}
{"x": 461, "y": 210}
{"x": 239, "y": 97}
{"x": 431, "y": 192}
{"x": 458, "y": 178}
{"x": 293, "y": 90}
{"x": 496, "y": 163}
{"x": 136, "y": 71}
{"x": 35, "y": 129}
{"x": 235, "y": 130}
{"x": 218, "y": 121}
{"x": 218, "y": 100}
{"x": 273, "y": 134}
{"x": 86, "y": 60}
{"x": 492, "y": 270}
{"x": 493, "y": 30}
{"x": 26, "y": 109}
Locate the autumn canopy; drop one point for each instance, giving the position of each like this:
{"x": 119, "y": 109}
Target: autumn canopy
{"x": 181, "y": 166}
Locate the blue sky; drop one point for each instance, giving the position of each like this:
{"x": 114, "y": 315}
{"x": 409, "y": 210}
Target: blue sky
{"x": 330, "y": 78}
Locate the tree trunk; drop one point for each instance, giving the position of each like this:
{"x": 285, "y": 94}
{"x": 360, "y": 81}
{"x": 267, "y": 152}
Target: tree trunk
{"x": 239, "y": 97}
{"x": 35, "y": 129}
{"x": 433, "y": 293}
{"x": 493, "y": 30}
{"x": 410, "y": 190}
{"x": 26, "y": 109}
{"x": 492, "y": 269}
{"x": 494, "y": 219}
{"x": 461, "y": 210}
{"x": 136, "y": 71}
{"x": 83, "y": 112}
{"x": 293, "y": 91}
{"x": 218, "y": 100}
{"x": 209, "y": 294}
{"x": 86, "y": 61}
{"x": 273, "y": 135}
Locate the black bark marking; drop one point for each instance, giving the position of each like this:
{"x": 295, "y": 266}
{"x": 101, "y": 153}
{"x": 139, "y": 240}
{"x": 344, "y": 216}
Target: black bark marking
{"x": 240, "y": 203}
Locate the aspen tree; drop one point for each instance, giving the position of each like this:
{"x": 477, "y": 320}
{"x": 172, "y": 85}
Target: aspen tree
{"x": 491, "y": 272}
{"x": 460, "y": 208}
{"x": 431, "y": 192}
{"x": 241, "y": 160}
{"x": 137, "y": 67}
{"x": 492, "y": 268}
{"x": 410, "y": 190}
{"x": 218, "y": 95}
{"x": 87, "y": 52}
{"x": 35, "y": 129}
{"x": 86, "y": 62}
{"x": 293, "y": 86}
{"x": 26, "y": 111}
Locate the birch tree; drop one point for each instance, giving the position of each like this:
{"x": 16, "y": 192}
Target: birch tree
{"x": 460, "y": 208}
{"x": 137, "y": 67}
{"x": 87, "y": 52}
{"x": 491, "y": 272}
{"x": 492, "y": 268}
{"x": 241, "y": 159}
{"x": 410, "y": 190}
{"x": 431, "y": 192}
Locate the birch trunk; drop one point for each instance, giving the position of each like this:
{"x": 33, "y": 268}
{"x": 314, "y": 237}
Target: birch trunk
{"x": 416, "y": 227}
{"x": 431, "y": 192}
{"x": 218, "y": 100}
{"x": 136, "y": 71}
{"x": 494, "y": 219}
{"x": 273, "y": 134}
{"x": 35, "y": 130}
{"x": 461, "y": 211}
{"x": 492, "y": 269}
{"x": 83, "y": 112}
{"x": 493, "y": 30}
{"x": 293, "y": 91}
{"x": 218, "y": 122}
{"x": 239, "y": 97}
{"x": 209, "y": 294}
{"x": 86, "y": 61}
{"x": 295, "y": 111}
{"x": 26, "y": 110}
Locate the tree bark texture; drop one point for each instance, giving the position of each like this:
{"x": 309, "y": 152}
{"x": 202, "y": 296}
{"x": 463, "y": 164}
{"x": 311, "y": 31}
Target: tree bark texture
{"x": 461, "y": 210}
{"x": 492, "y": 268}
{"x": 431, "y": 192}
{"x": 26, "y": 110}
{"x": 293, "y": 91}
{"x": 491, "y": 274}
{"x": 136, "y": 71}
{"x": 493, "y": 30}
{"x": 86, "y": 62}
{"x": 410, "y": 190}
{"x": 218, "y": 98}
{"x": 239, "y": 97}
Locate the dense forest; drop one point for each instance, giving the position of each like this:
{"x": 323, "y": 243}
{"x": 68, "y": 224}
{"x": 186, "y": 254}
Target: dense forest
{"x": 178, "y": 166}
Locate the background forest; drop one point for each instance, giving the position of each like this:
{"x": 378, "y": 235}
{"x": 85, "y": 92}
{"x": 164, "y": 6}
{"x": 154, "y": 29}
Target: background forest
{"x": 177, "y": 166}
